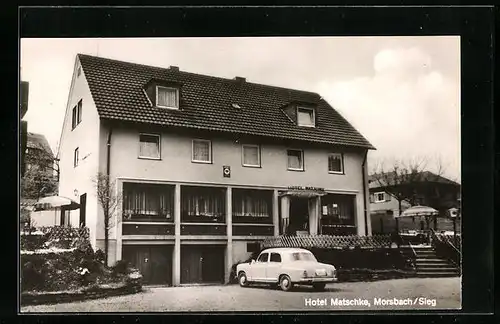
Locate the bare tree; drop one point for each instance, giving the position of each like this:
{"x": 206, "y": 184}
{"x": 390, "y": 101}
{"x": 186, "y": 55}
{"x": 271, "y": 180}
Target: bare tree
{"x": 404, "y": 179}
{"x": 109, "y": 199}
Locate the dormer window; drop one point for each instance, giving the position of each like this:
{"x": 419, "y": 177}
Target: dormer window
{"x": 167, "y": 97}
{"x": 305, "y": 117}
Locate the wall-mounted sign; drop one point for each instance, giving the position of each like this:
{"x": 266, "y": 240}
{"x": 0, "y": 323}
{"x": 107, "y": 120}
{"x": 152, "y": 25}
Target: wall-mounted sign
{"x": 305, "y": 188}
{"x": 226, "y": 171}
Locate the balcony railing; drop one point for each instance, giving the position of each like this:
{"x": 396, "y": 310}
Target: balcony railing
{"x": 214, "y": 219}
{"x": 148, "y": 229}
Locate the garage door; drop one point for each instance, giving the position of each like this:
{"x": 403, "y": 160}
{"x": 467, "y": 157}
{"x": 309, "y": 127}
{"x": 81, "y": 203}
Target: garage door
{"x": 154, "y": 262}
{"x": 202, "y": 264}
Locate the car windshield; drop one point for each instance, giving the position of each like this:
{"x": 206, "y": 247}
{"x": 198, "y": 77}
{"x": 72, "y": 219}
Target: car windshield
{"x": 302, "y": 256}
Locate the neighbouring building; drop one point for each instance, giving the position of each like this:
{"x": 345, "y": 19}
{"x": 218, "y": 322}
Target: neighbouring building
{"x": 207, "y": 167}
{"x": 40, "y": 180}
{"x": 39, "y": 155}
{"x": 430, "y": 189}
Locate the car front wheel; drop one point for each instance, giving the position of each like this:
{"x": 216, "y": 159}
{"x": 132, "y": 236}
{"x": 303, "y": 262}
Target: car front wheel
{"x": 242, "y": 279}
{"x": 285, "y": 283}
{"x": 319, "y": 286}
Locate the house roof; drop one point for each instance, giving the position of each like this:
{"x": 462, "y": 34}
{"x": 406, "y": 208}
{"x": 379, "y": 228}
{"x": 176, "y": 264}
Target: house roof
{"x": 39, "y": 141}
{"x": 207, "y": 103}
{"x": 425, "y": 176}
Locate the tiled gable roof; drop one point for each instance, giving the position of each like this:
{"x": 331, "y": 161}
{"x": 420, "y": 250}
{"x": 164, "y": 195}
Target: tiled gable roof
{"x": 424, "y": 176}
{"x": 206, "y": 103}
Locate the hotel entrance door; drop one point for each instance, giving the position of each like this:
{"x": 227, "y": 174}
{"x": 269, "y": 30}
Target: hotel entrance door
{"x": 299, "y": 215}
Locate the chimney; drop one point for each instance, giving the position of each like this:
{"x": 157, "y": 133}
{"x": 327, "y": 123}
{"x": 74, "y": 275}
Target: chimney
{"x": 240, "y": 79}
{"x": 174, "y": 68}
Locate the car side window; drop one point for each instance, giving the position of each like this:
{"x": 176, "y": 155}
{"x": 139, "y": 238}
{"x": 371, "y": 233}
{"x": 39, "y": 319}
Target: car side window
{"x": 275, "y": 257}
{"x": 263, "y": 257}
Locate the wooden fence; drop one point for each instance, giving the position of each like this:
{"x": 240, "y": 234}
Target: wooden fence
{"x": 56, "y": 236}
{"x": 328, "y": 241}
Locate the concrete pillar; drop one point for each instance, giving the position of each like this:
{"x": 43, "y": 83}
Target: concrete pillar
{"x": 313, "y": 216}
{"x": 367, "y": 202}
{"x": 119, "y": 222}
{"x": 276, "y": 216}
{"x": 320, "y": 214}
{"x": 359, "y": 214}
{"x": 285, "y": 212}
{"x": 229, "y": 224}
{"x": 176, "y": 264}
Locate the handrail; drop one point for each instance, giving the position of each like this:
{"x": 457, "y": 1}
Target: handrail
{"x": 413, "y": 250}
{"x": 435, "y": 236}
{"x": 414, "y": 254}
{"x": 453, "y": 254}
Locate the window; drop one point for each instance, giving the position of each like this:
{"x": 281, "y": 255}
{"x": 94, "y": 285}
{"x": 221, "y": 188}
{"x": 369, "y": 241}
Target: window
{"x": 335, "y": 163}
{"x": 337, "y": 210}
{"x": 251, "y": 204}
{"x": 251, "y": 155}
{"x": 167, "y": 97}
{"x": 381, "y": 197}
{"x": 295, "y": 160}
{"x": 75, "y": 158}
{"x": 148, "y": 201}
{"x": 305, "y": 117}
{"x": 76, "y": 116}
{"x": 202, "y": 151}
{"x": 79, "y": 71}
{"x": 302, "y": 256}
{"x": 201, "y": 204}
{"x": 263, "y": 257}
{"x": 275, "y": 257}
{"x": 149, "y": 146}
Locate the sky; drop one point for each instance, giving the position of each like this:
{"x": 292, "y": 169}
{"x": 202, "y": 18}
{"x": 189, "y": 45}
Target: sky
{"x": 401, "y": 93}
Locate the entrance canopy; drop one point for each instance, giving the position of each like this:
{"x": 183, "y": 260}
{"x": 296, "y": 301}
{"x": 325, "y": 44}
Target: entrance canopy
{"x": 303, "y": 192}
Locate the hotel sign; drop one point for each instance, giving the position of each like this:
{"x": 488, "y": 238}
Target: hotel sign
{"x": 304, "y": 191}
{"x": 305, "y": 188}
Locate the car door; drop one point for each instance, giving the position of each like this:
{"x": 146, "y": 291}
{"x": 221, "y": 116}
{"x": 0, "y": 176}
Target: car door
{"x": 259, "y": 267}
{"x": 273, "y": 269}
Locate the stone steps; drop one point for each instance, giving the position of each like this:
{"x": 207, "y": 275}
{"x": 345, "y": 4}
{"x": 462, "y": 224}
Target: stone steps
{"x": 429, "y": 265}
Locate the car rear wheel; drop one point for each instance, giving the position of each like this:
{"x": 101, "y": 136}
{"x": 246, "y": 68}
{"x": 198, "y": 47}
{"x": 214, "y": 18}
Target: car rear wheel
{"x": 242, "y": 279}
{"x": 319, "y": 286}
{"x": 285, "y": 283}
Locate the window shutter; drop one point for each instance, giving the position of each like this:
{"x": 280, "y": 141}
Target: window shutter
{"x": 387, "y": 197}
{"x": 73, "y": 118}
{"x": 79, "y": 112}
{"x": 372, "y": 198}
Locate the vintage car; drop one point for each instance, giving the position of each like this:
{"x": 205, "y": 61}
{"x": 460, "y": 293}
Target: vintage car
{"x": 286, "y": 267}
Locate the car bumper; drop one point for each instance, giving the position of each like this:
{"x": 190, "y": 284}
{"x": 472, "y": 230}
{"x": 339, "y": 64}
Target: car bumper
{"x": 317, "y": 280}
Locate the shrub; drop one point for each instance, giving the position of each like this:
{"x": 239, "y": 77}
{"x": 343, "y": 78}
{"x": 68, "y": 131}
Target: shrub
{"x": 121, "y": 267}
{"x": 381, "y": 258}
{"x": 32, "y": 242}
{"x": 232, "y": 276}
{"x": 100, "y": 256}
